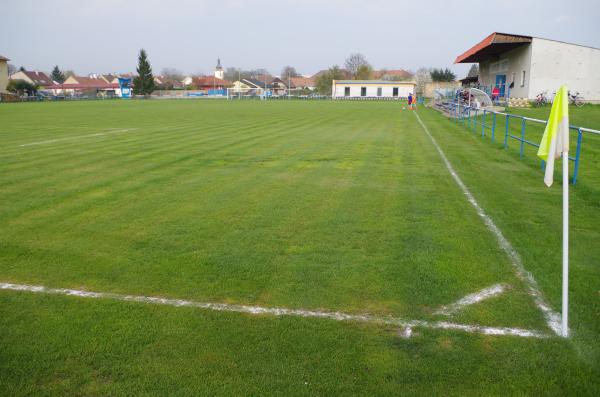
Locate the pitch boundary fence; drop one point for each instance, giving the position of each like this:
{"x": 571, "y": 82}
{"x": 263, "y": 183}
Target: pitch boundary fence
{"x": 476, "y": 119}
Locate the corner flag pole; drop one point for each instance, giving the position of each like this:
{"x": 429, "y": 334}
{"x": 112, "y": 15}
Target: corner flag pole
{"x": 565, "y": 259}
{"x": 555, "y": 143}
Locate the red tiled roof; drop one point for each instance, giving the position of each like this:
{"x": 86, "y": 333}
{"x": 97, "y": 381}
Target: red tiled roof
{"x": 39, "y": 78}
{"x": 83, "y": 83}
{"x": 210, "y": 81}
{"x": 302, "y": 82}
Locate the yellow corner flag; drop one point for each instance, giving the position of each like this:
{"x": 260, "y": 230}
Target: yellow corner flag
{"x": 556, "y": 135}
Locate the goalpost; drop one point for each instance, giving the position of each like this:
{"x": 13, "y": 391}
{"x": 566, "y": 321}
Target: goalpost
{"x": 245, "y": 93}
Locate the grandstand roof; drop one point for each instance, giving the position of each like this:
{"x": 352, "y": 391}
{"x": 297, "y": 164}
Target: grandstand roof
{"x": 494, "y": 44}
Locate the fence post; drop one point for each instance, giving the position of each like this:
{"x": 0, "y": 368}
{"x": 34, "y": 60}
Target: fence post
{"x": 522, "y": 137}
{"x": 577, "y": 153}
{"x": 469, "y": 118}
{"x": 493, "y": 127}
{"x": 475, "y": 119}
{"x": 483, "y": 124}
{"x": 506, "y": 131}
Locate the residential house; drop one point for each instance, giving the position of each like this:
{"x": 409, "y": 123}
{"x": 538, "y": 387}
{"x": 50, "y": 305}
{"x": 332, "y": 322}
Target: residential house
{"x": 167, "y": 83}
{"x": 304, "y": 83}
{"x": 79, "y": 85}
{"x": 258, "y": 83}
{"x": 211, "y": 84}
{"x": 39, "y": 79}
{"x": 524, "y": 66}
{"x": 278, "y": 87}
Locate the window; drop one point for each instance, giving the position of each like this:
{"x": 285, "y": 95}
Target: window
{"x": 379, "y": 91}
{"x": 363, "y": 91}
{"x": 395, "y": 91}
{"x": 346, "y": 91}
{"x": 523, "y": 78}
{"x": 499, "y": 66}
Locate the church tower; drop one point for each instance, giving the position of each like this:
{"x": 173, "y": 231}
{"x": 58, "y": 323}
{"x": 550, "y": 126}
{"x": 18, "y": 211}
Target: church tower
{"x": 219, "y": 74}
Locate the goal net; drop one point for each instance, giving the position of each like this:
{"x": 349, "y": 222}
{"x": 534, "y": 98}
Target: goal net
{"x": 245, "y": 93}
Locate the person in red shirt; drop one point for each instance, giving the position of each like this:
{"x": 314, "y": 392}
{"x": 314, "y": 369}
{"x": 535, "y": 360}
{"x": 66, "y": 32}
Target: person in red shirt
{"x": 495, "y": 94}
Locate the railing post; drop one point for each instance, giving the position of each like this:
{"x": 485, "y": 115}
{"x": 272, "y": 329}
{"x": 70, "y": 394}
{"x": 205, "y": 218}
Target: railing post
{"x": 469, "y": 118}
{"x": 577, "y": 153}
{"x": 493, "y": 127}
{"x": 483, "y": 124}
{"x": 506, "y": 131}
{"x": 475, "y": 119}
{"x": 522, "y": 137}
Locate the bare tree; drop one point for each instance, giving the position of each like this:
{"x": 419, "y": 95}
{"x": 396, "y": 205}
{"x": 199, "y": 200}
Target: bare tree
{"x": 354, "y": 62}
{"x": 289, "y": 71}
{"x": 474, "y": 71}
{"x": 422, "y": 77}
{"x": 172, "y": 74}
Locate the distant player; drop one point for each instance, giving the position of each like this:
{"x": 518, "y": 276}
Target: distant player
{"x": 410, "y": 99}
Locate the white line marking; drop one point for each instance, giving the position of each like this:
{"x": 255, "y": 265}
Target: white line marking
{"x": 471, "y": 299}
{"x": 78, "y": 137}
{"x": 552, "y": 318}
{"x": 408, "y": 325}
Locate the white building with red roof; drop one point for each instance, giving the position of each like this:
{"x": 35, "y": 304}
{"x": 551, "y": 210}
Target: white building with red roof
{"x": 524, "y": 66}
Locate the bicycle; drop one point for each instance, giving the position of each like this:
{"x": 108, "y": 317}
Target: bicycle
{"x": 576, "y": 99}
{"x": 541, "y": 100}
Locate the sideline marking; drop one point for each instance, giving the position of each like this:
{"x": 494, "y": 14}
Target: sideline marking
{"x": 78, "y": 137}
{"x": 553, "y": 319}
{"x": 408, "y": 325}
{"x": 471, "y": 299}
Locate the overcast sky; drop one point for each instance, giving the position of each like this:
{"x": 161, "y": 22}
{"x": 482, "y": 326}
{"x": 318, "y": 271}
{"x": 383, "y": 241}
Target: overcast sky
{"x": 101, "y": 36}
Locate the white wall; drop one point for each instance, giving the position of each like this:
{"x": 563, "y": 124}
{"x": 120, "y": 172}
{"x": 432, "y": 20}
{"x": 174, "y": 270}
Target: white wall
{"x": 3, "y": 75}
{"x": 387, "y": 90}
{"x": 518, "y": 60}
{"x": 554, "y": 63}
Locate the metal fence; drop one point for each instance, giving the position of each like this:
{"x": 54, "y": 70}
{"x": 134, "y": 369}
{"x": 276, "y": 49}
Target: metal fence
{"x": 487, "y": 120}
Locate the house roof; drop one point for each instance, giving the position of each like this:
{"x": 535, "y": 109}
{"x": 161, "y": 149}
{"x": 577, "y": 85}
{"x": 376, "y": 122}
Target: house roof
{"x": 4, "y": 58}
{"x": 210, "y": 81}
{"x": 89, "y": 83}
{"x": 470, "y": 79}
{"x": 493, "y": 45}
{"x": 103, "y": 86}
{"x": 256, "y": 83}
{"x": 38, "y": 78}
{"x": 302, "y": 81}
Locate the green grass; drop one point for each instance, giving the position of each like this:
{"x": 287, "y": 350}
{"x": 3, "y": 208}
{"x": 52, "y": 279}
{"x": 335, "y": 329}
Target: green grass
{"x": 314, "y": 205}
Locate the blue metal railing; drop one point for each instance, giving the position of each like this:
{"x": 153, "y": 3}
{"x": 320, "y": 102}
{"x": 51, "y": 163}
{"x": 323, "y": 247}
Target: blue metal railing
{"x": 472, "y": 117}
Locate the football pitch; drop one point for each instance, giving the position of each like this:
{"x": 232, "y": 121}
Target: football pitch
{"x": 286, "y": 248}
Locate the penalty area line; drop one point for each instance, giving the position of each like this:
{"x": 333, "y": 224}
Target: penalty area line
{"x": 406, "y": 325}
{"x": 553, "y": 319}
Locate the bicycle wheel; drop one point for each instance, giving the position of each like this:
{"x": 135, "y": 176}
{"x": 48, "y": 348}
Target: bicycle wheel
{"x": 579, "y": 101}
